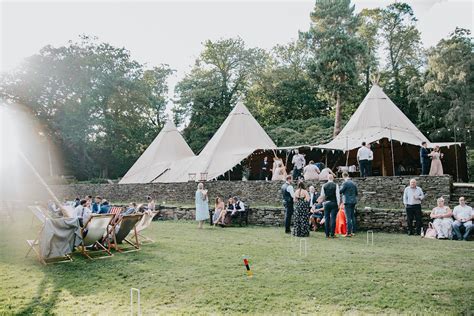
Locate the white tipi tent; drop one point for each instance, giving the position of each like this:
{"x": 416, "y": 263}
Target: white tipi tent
{"x": 376, "y": 117}
{"x": 168, "y": 147}
{"x": 238, "y": 137}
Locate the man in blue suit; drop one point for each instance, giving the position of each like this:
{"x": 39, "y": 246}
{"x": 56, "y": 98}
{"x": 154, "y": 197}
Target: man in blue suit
{"x": 349, "y": 198}
{"x": 424, "y": 159}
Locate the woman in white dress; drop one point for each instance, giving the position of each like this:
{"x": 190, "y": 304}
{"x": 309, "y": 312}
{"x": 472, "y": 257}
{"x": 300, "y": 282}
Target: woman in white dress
{"x": 279, "y": 170}
{"x": 311, "y": 172}
{"x": 442, "y": 222}
{"x": 219, "y": 212}
{"x": 202, "y": 205}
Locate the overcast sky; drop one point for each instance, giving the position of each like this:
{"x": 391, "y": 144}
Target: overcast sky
{"x": 172, "y": 32}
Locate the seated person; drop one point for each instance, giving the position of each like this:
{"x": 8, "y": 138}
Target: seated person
{"x": 317, "y": 214}
{"x": 463, "y": 215}
{"x": 105, "y": 207}
{"x": 131, "y": 209}
{"x": 96, "y": 205}
{"x": 311, "y": 172}
{"x": 324, "y": 174}
{"x": 219, "y": 212}
{"x": 238, "y": 207}
{"x": 142, "y": 208}
{"x": 442, "y": 222}
{"x": 82, "y": 212}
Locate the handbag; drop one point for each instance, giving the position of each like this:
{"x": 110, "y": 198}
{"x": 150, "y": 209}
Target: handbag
{"x": 430, "y": 232}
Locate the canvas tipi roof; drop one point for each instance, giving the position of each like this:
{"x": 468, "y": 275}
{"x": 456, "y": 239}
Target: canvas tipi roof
{"x": 167, "y": 147}
{"x": 238, "y": 137}
{"x": 376, "y": 117}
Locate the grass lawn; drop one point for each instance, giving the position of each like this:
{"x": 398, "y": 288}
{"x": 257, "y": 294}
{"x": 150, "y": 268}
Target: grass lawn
{"x": 188, "y": 271}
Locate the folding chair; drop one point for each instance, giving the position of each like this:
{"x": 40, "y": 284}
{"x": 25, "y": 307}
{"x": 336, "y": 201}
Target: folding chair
{"x": 142, "y": 225}
{"x": 34, "y": 243}
{"x": 122, "y": 229}
{"x": 116, "y": 210}
{"x": 93, "y": 232}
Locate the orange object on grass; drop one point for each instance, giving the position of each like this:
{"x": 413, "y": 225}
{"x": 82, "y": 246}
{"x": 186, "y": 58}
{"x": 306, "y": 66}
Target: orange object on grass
{"x": 341, "y": 228}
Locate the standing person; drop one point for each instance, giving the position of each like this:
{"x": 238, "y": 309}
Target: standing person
{"x": 349, "y": 197}
{"x": 264, "y": 169}
{"x": 442, "y": 221}
{"x": 279, "y": 170}
{"x": 301, "y": 227}
{"x": 436, "y": 165}
{"x": 463, "y": 216}
{"x": 424, "y": 159}
{"x": 151, "y": 203}
{"x": 298, "y": 162}
{"x": 202, "y": 204}
{"x": 412, "y": 197}
{"x": 371, "y": 158}
{"x": 363, "y": 155}
{"x": 331, "y": 196}
{"x": 288, "y": 194}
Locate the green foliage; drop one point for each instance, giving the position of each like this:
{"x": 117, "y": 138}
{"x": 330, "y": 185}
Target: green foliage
{"x": 444, "y": 93}
{"x": 470, "y": 164}
{"x": 302, "y": 132}
{"x": 206, "y": 95}
{"x": 404, "y": 54}
{"x": 336, "y": 52}
{"x": 100, "y": 107}
{"x": 283, "y": 89}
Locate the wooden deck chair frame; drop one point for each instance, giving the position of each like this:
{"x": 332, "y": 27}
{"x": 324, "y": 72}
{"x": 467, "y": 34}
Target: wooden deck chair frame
{"x": 137, "y": 234}
{"x": 99, "y": 232}
{"x": 112, "y": 231}
{"x": 33, "y": 244}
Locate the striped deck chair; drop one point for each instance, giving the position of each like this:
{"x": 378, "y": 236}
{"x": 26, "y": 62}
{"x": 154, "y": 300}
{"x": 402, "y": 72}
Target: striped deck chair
{"x": 125, "y": 225}
{"x": 142, "y": 225}
{"x": 116, "y": 210}
{"x": 93, "y": 233}
{"x": 42, "y": 216}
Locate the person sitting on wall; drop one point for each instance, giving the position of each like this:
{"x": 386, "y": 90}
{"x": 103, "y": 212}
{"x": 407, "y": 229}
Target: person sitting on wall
{"x": 442, "y": 221}
{"x": 219, "y": 212}
{"x": 239, "y": 208}
{"x": 463, "y": 215}
{"x": 96, "y": 205}
{"x": 82, "y": 212}
{"x": 324, "y": 174}
{"x": 311, "y": 172}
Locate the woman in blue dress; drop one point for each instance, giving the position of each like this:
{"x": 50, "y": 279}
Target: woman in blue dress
{"x": 202, "y": 205}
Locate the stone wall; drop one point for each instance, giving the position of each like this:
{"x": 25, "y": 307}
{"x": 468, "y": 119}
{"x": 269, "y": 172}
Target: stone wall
{"x": 377, "y": 219}
{"x": 385, "y": 192}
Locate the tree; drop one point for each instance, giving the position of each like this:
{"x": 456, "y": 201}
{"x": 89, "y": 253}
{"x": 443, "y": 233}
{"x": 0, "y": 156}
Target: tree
{"x": 219, "y": 77}
{"x": 445, "y": 92}
{"x": 403, "y": 47}
{"x": 336, "y": 50}
{"x": 99, "y": 106}
{"x": 368, "y": 31}
{"x": 283, "y": 89}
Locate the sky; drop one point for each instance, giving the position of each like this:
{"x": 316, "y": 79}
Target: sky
{"x": 172, "y": 32}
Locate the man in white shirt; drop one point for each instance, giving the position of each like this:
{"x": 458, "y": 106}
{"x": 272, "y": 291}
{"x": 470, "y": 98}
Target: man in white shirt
{"x": 363, "y": 156}
{"x": 82, "y": 212}
{"x": 412, "y": 197}
{"x": 463, "y": 215}
{"x": 298, "y": 162}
